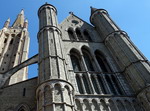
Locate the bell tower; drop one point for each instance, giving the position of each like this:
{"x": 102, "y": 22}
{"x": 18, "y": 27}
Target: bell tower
{"x": 14, "y": 47}
{"x": 54, "y": 92}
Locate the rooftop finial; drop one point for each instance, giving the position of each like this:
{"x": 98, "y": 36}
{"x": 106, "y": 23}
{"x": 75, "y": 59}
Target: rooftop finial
{"x": 93, "y": 9}
{"x": 71, "y": 13}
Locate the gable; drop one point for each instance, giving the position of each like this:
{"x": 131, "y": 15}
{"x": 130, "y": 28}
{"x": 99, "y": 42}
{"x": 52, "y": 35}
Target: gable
{"x": 73, "y": 22}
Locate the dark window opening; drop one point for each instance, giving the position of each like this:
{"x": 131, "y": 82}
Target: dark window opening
{"x": 78, "y": 80}
{"x": 24, "y": 92}
{"x": 117, "y": 85}
{"x": 5, "y": 40}
{"x": 110, "y": 84}
{"x": 11, "y": 42}
{"x": 75, "y": 63}
{"x": 88, "y": 61}
{"x": 87, "y": 87}
{"x": 101, "y": 84}
{"x": 87, "y": 36}
{"x": 71, "y": 35}
{"x": 95, "y": 84}
{"x": 102, "y": 62}
{"x": 79, "y": 35}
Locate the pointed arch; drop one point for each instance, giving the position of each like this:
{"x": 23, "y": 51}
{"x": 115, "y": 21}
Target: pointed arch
{"x": 71, "y": 34}
{"x": 102, "y": 61}
{"x": 79, "y": 34}
{"x": 75, "y": 59}
{"x": 22, "y": 107}
{"x": 87, "y": 58}
{"x": 87, "y": 35}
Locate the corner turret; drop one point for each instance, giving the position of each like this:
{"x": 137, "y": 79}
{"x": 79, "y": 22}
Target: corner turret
{"x": 103, "y": 23}
{"x": 52, "y": 73}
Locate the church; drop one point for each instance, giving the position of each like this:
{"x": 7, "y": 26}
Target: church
{"x": 81, "y": 66}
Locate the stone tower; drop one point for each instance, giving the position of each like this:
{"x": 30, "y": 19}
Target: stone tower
{"x": 54, "y": 92}
{"x": 14, "y": 47}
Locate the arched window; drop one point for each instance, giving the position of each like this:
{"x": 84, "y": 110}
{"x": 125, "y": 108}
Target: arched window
{"x": 79, "y": 35}
{"x": 87, "y": 36}
{"x": 87, "y": 60}
{"x": 75, "y": 61}
{"x": 102, "y": 62}
{"x": 71, "y": 34}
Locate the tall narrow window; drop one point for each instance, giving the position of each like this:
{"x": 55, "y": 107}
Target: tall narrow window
{"x": 75, "y": 61}
{"x": 5, "y": 40}
{"x": 79, "y": 35}
{"x": 86, "y": 84}
{"x": 78, "y": 80}
{"x": 71, "y": 35}
{"x": 24, "y": 91}
{"x": 102, "y": 85}
{"x": 87, "y": 36}
{"x": 102, "y": 62}
{"x": 110, "y": 84}
{"x": 116, "y": 84}
{"x": 95, "y": 84}
{"x": 87, "y": 59}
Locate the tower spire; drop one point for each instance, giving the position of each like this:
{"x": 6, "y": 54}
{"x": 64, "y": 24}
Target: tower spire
{"x": 19, "y": 22}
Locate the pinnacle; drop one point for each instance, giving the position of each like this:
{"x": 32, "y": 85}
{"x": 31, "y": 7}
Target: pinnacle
{"x": 22, "y": 12}
{"x": 26, "y": 20}
{"x": 8, "y": 20}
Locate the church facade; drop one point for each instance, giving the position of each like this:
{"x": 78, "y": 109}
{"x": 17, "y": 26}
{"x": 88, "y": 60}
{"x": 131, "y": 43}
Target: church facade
{"x": 81, "y": 67}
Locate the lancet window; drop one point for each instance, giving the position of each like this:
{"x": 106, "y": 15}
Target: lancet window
{"x": 87, "y": 36}
{"x": 71, "y": 34}
{"x": 79, "y": 34}
{"x": 87, "y": 59}
{"x": 102, "y": 62}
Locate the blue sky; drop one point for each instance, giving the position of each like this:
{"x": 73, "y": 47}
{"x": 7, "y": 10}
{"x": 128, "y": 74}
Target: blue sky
{"x": 132, "y": 16}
